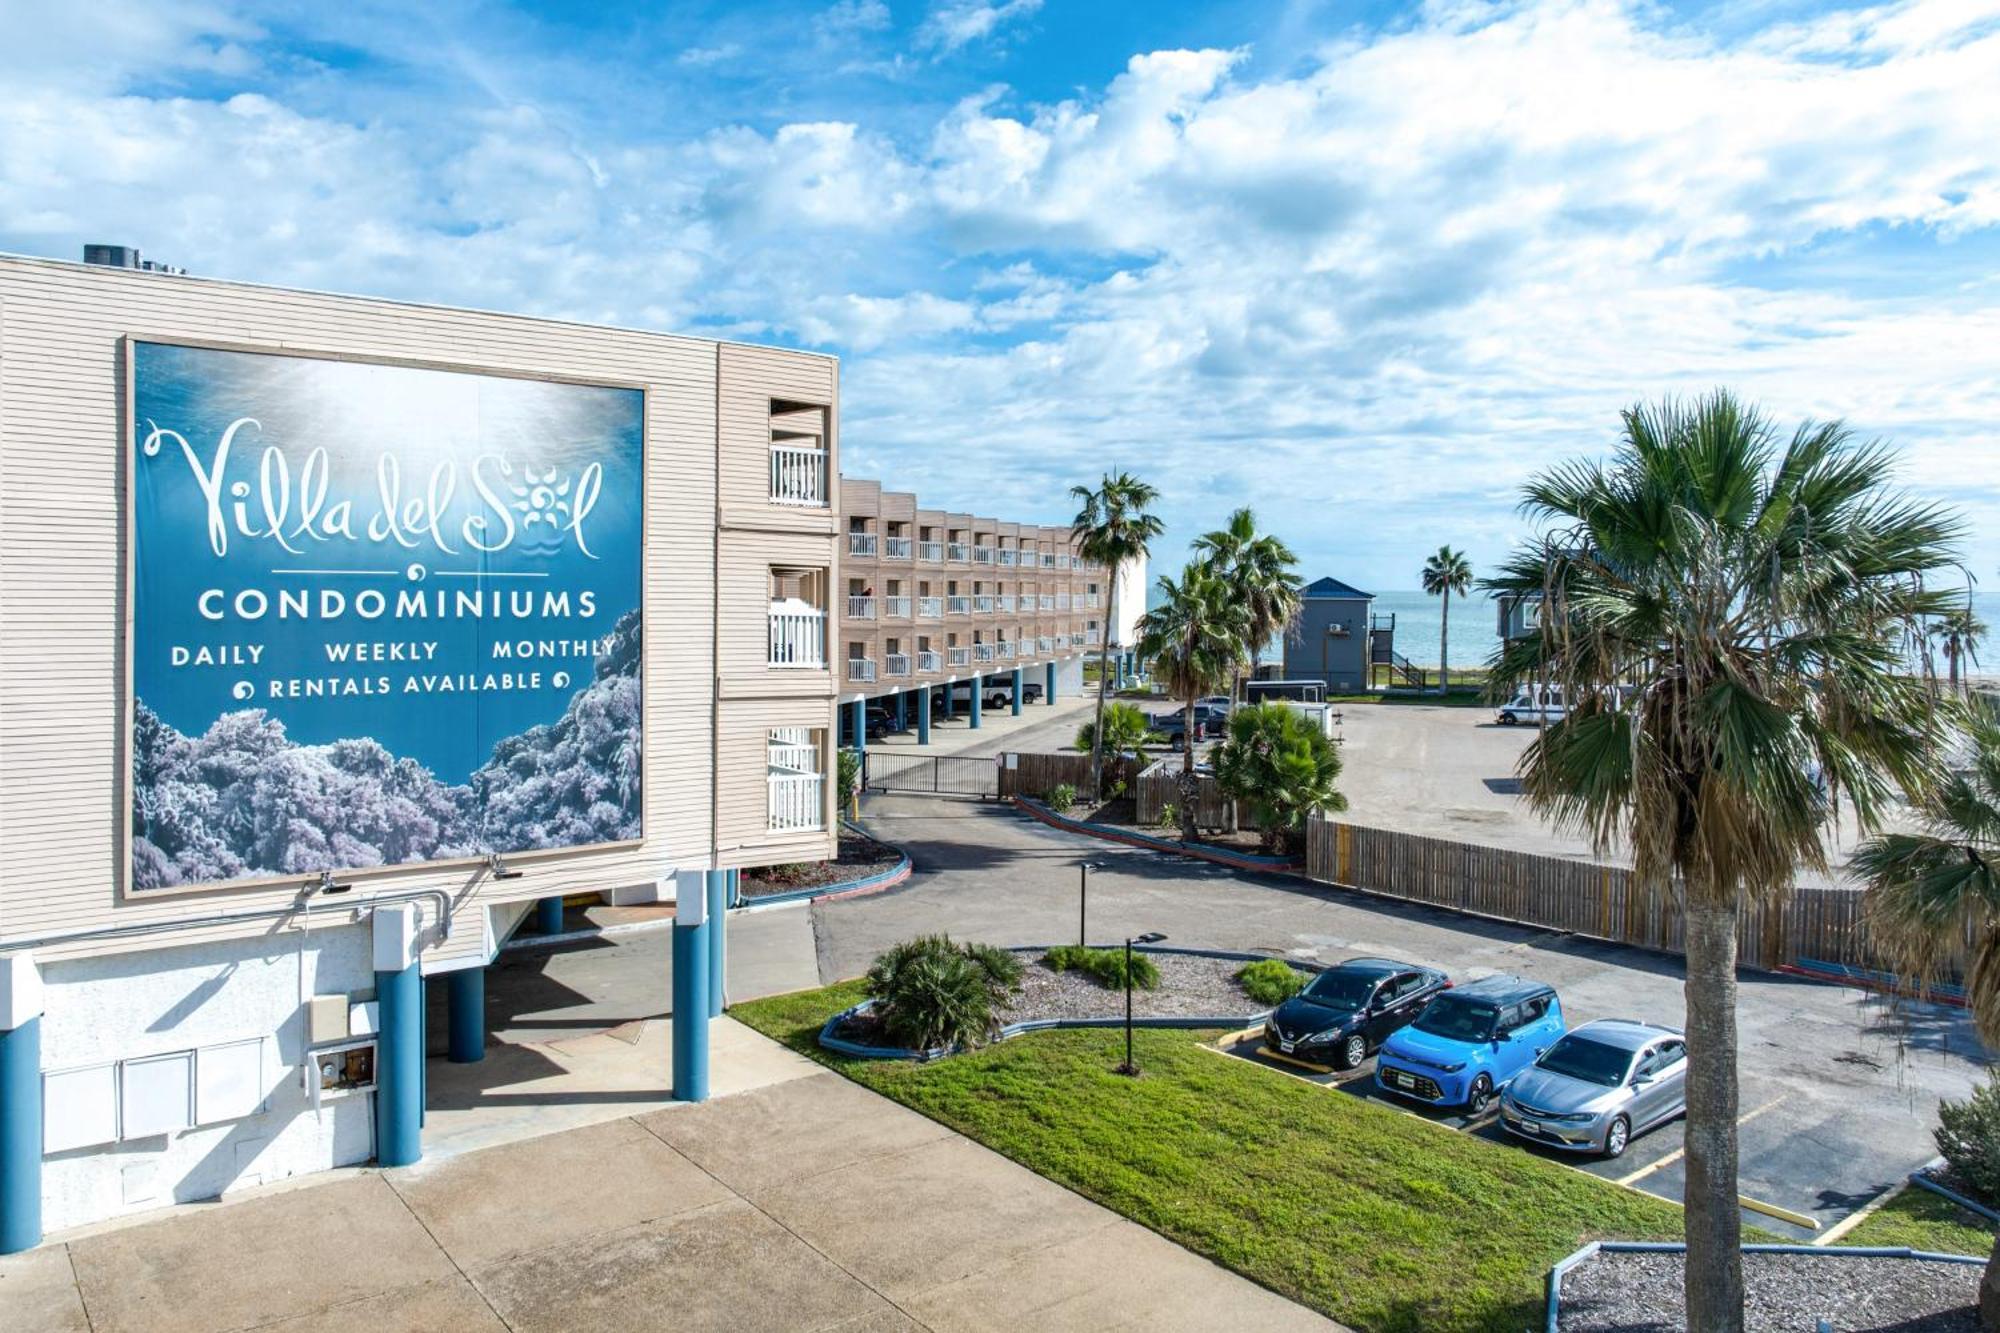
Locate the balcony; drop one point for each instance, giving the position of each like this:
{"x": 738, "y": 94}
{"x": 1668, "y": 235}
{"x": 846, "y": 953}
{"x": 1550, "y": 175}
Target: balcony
{"x": 1048, "y": 560}
{"x": 1092, "y": 601}
{"x": 861, "y": 543}
{"x": 1005, "y": 649}
{"x": 796, "y": 801}
{"x": 930, "y": 607}
{"x": 1062, "y": 601}
{"x": 1004, "y": 604}
{"x": 861, "y": 669}
{"x": 1093, "y": 637}
{"x": 861, "y": 608}
{"x": 958, "y": 551}
{"x": 982, "y": 652}
{"x": 895, "y": 664}
{"x": 957, "y": 606}
{"x": 798, "y": 475}
{"x": 896, "y": 548}
{"x": 896, "y": 608}
{"x": 958, "y": 657}
{"x": 931, "y": 551}
{"x": 982, "y": 604}
{"x": 798, "y": 634}
{"x": 1006, "y": 555}
{"x": 982, "y": 555}
{"x": 1048, "y": 601}
{"x": 1044, "y": 644}
{"x": 929, "y": 663}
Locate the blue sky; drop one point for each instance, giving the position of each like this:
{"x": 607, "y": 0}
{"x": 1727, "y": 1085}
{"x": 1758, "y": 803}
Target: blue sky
{"x": 1364, "y": 267}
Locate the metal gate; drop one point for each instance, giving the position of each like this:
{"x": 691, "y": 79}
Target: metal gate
{"x": 931, "y": 774}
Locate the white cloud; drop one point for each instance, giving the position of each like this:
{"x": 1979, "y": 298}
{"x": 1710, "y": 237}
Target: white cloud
{"x": 952, "y": 24}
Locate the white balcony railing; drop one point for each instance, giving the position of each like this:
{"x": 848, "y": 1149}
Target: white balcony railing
{"x": 896, "y": 548}
{"x": 982, "y": 652}
{"x": 959, "y": 657}
{"x": 982, "y": 555}
{"x": 798, "y": 634}
{"x": 1093, "y": 637}
{"x": 1048, "y": 560}
{"x": 1005, "y": 648}
{"x": 1092, "y": 601}
{"x": 932, "y": 551}
{"x": 957, "y": 606}
{"x": 895, "y": 664}
{"x": 861, "y": 543}
{"x": 861, "y": 668}
{"x": 896, "y": 608}
{"x": 798, "y": 476}
{"x": 793, "y": 757}
{"x": 860, "y": 608}
{"x": 1044, "y": 643}
{"x": 930, "y": 606}
{"x": 797, "y": 801}
{"x": 928, "y": 662}
{"x": 1006, "y": 555}
{"x": 957, "y": 551}
{"x": 1062, "y": 601}
{"x": 1004, "y": 603}
{"x": 1063, "y": 561}
{"x": 1048, "y": 601}
{"x": 982, "y": 603}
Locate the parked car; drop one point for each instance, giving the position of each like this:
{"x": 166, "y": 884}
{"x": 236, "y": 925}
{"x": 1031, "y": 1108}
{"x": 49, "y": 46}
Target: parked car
{"x": 1351, "y": 1009}
{"x": 1208, "y": 722}
{"x": 1535, "y": 705}
{"x": 1002, "y": 694}
{"x": 1471, "y": 1042}
{"x": 881, "y": 721}
{"x": 1598, "y": 1086}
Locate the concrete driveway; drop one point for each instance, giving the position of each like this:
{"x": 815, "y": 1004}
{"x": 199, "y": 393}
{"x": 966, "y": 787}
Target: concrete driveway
{"x": 1839, "y": 1087}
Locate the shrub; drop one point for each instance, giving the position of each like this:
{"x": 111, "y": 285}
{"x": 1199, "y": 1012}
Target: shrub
{"x": 1968, "y": 1135}
{"x": 1268, "y": 981}
{"x": 1126, "y": 730}
{"x": 1278, "y": 760}
{"x": 932, "y": 992}
{"x": 848, "y": 779}
{"x": 1170, "y": 816}
{"x": 1061, "y": 797}
{"x": 1104, "y": 966}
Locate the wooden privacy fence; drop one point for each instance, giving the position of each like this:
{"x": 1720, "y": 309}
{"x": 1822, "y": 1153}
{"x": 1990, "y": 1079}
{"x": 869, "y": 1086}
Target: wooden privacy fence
{"x": 1159, "y": 787}
{"x": 1582, "y": 897}
{"x": 1034, "y": 774}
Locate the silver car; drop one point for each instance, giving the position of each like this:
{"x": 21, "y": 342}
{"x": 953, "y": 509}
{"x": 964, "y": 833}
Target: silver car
{"x": 1598, "y": 1086}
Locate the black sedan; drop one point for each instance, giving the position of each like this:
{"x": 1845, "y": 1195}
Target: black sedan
{"x": 1349, "y": 1010}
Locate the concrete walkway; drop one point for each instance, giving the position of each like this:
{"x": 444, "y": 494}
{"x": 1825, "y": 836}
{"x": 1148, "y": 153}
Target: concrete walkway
{"x": 806, "y": 1204}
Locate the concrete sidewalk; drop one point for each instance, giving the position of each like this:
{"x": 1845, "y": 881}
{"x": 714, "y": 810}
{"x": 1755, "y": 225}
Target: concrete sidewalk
{"x": 808, "y": 1204}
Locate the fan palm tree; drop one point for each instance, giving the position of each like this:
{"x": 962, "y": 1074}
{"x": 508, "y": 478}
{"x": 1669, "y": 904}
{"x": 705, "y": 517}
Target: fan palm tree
{"x": 1729, "y": 617}
{"x": 1193, "y": 641}
{"x": 1258, "y": 568}
{"x": 1446, "y": 573}
{"x": 1958, "y": 633}
{"x": 1279, "y": 760}
{"x": 1111, "y": 527}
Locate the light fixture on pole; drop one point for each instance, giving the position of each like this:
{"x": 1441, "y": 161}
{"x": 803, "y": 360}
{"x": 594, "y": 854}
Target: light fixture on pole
{"x": 1129, "y": 1068}
{"x": 497, "y": 868}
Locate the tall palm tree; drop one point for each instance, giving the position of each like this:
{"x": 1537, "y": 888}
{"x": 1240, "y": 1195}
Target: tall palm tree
{"x": 1729, "y": 618}
{"x": 1928, "y": 895}
{"x": 1258, "y": 568}
{"x": 1111, "y": 527}
{"x": 1958, "y": 633}
{"x": 1193, "y": 642}
{"x": 1446, "y": 573}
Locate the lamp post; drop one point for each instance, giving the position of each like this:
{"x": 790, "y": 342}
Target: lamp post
{"x": 1130, "y": 1069}
{"x": 1083, "y": 899}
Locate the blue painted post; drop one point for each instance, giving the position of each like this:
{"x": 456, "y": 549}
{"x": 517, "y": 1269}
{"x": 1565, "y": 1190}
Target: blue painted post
{"x": 399, "y": 1066}
{"x": 950, "y": 689}
{"x": 690, "y": 1033}
{"x": 1049, "y": 688}
{"x": 20, "y": 1108}
{"x": 465, "y": 1002}
{"x": 735, "y": 888}
{"x": 549, "y": 915}
{"x": 718, "y": 903}
{"x": 924, "y": 716}
{"x": 1017, "y": 692}
{"x": 858, "y": 715}
{"x": 978, "y": 689}
{"x": 902, "y": 710}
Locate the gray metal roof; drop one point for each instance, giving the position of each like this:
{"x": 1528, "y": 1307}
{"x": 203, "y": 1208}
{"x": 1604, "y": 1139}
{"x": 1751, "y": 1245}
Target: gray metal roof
{"x": 1332, "y": 588}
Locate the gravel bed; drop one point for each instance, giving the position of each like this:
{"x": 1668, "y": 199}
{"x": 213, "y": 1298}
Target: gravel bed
{"x": 1190, "y": 987}
{"x": 1783, "y": 1293}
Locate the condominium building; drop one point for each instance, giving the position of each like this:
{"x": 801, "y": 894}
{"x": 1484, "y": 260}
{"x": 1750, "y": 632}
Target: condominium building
{"x": 340, "y": 633}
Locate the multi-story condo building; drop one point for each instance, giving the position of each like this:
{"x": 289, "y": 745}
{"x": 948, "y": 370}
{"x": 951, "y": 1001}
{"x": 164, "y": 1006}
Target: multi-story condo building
{"x": 340, "y": 633}
{"x": 931, "y": 598}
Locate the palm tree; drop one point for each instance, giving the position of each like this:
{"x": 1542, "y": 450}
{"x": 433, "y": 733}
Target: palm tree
{"x": 1729, "y": 619}
{"x": 1280, "y": 760}
{"x": 1111, "y": 527}
{"x": 1125, "y": 731}
{"x": 1193, "y": 641}
{"x": 1446, "y": 573}
{"x": 1929, "y": 895}
{"x": 1958, "y": 633}
{"x": 1258, "y": 568}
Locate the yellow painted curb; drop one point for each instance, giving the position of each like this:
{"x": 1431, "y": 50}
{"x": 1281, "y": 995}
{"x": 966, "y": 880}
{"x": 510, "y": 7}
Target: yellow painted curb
{"x": 1782, "y": 1214}
{"x": 1863, "y": 1213}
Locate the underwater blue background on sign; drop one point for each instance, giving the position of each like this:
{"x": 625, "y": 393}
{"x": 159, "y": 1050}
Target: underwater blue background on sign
{"x": 406, "y": 590}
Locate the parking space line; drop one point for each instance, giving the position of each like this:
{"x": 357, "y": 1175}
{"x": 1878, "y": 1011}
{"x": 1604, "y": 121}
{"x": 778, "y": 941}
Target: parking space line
{"x": 1265, "y": 1053}
{"x": 1782, "y": 1214}
{"x": 1681, "y": 1151}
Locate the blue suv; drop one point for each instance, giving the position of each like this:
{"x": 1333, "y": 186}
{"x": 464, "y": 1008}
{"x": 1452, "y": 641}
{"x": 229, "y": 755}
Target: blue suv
{"x": 1469, "y": 1043}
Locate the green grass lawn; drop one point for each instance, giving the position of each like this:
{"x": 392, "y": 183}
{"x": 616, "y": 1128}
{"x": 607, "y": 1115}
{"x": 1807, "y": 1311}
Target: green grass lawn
{"x": 1367, "y": 1214}
{"x": 1922, "y": 1220}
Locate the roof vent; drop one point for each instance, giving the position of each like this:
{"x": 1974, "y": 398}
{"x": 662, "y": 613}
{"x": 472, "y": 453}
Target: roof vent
{"x": 124, "y": 256}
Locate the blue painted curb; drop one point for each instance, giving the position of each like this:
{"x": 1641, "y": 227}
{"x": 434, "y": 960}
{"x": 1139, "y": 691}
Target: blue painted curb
{"x": 854, "y": 888}
{"x": 841, "y": 1046}
{"x": 1923, "y": 1180}
{"x": 1563, "y": 1265}
{"x": 1223, "y": 856}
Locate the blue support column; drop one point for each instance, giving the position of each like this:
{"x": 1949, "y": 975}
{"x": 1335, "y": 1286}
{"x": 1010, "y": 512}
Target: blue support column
{"x": 399, "y": 1067}
{"x": 690, "y": 1033}
{"x": 718, "y": 903}
{"x": 924, "y": 716}
{"x": 1017, "y": 692}
{"x": 902, "y": 710}
{"x": 978, "y": 689}
{"x": 858, "y": 722}
{"x": 549, "y": 915}
{"x": 465, "y": 1002}
{"x": 1049, "y": 689}
{"x": 21, "y": 1131}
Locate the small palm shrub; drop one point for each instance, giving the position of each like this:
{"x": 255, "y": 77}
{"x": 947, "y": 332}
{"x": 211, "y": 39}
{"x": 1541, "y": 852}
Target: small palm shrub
{"x": 1968, "y": 1135}
{"x": 1278, "y": 760}
{"x": 1104, "y": 966}
{"x": 1170, "y": 816}
{"x": 933, "y": 992}
{"x": 1126, "y": 730}
{"x": 1268, "y": 981}
{"x": 847, "y": 781}
{"x": 1061, "y": 797}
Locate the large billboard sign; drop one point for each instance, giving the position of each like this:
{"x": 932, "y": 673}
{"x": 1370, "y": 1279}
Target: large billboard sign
{"x": 380, "y": 615}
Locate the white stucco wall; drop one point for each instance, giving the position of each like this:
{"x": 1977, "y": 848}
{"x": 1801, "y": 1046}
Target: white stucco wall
{"x": 122, "y": 1006}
